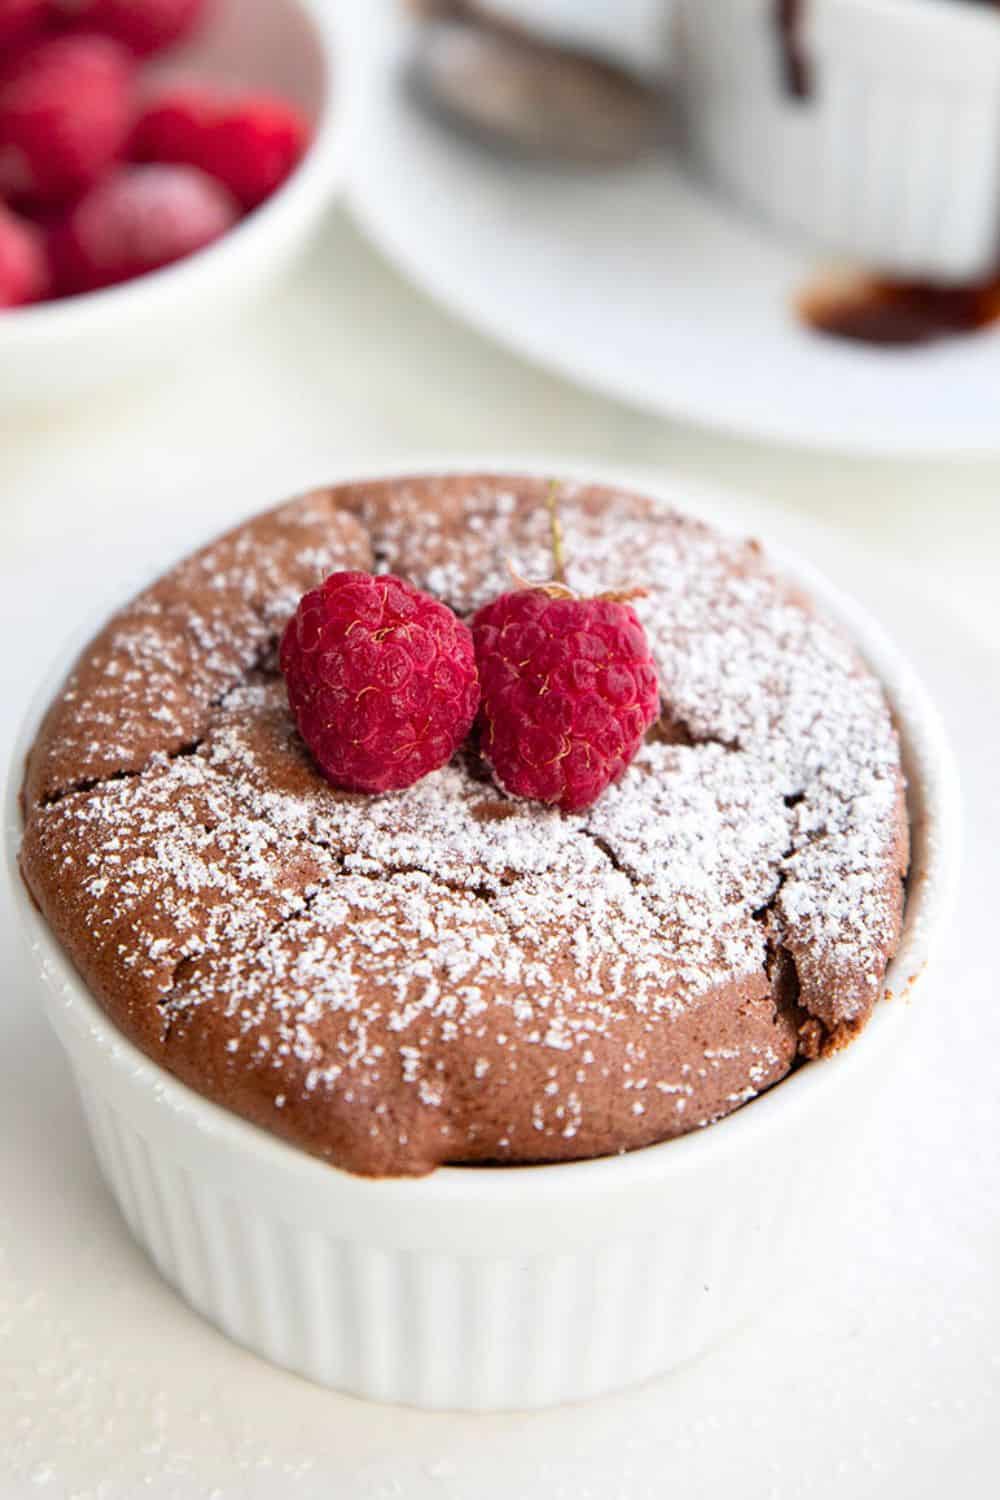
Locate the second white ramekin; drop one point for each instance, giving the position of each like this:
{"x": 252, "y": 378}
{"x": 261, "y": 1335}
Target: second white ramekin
{"x": 892, "y": 159}
{"x": 511, "y": 1287}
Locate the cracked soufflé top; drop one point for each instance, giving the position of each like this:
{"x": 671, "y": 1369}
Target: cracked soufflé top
{"x": 445, "y": 974}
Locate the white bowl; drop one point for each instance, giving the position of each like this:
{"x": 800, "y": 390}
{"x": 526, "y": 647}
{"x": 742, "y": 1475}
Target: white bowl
{"x": 893, "y": 160}
{"x": 66, "y": 348}
{"x": 491, "y": 1288}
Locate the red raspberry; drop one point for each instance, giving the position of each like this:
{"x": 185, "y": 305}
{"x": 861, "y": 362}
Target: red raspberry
{"x": 568, "y": 691}
{"x": 141, "y": 25}
{"x": 381, "y": 680}
{"x": 137, "y": 220}
{"x": 19, "y": 20}
{"x": 251, "y": 142}
{"x": 24, "y": 271}
{"x": 65, "y": 114}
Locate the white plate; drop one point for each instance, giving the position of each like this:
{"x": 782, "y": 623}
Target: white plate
{"x": 877, "y": 1377}
{"x": 641, "y": 284}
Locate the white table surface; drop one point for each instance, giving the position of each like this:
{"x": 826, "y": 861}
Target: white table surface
{"x": 880, "y": 1374}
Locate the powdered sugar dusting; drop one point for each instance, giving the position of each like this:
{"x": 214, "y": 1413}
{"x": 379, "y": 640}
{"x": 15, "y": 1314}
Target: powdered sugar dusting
{"x": 150, "y": 681}
{"x": 442, "y": 973}
{"x": 744, "y": 661}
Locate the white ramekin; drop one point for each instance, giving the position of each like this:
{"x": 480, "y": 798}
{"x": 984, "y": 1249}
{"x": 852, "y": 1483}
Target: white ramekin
{"x": 508, "y": 1287}
{"x": 893, "y": 160}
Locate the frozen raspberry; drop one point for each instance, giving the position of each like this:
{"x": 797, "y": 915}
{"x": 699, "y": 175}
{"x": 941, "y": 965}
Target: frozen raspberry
{"x": 65, "y": 114}
{"x": 251, "y": 142}
{"x": 381, "y": 680}
{"x": 568, "y": 691}
{"x": 138, "y": 219}
{"x": 23, "y": 264}
{"x": 141, "y": 25}
{"x": 19, "y": 20}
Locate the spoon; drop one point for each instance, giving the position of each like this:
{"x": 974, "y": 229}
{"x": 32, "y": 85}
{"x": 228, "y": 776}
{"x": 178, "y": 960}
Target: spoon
{"x": 526, "y": 98}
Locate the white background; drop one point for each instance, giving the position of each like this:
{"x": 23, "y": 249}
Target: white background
{"x": 879, "y": 1375}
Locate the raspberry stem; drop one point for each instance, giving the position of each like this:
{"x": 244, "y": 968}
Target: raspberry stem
{"x": 556, "y": 532}
{"x": 556, "y": 587}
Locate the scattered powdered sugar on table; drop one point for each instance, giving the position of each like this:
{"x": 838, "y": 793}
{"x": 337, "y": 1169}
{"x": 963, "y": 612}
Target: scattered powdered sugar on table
{"x": 442, "y": 973}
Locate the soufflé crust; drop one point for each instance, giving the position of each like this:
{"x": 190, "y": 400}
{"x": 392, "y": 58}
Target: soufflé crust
{"x": 444, "y": 974}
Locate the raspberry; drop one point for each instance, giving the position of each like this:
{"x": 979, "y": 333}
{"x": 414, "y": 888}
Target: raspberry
{"x": 138, "y": 219}
{"x": 19, "y": 20}
{"x": 381, "y": 680}
{"x": 23, "y": 267}
{"x": 251, "y": 142}
{"x": 65, "y": 114}
{"x": 568, "y": 691}
{"x": 141, "y": 25}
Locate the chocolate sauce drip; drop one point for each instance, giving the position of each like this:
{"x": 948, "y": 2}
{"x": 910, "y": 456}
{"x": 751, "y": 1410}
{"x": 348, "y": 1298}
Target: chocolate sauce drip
{"x": 796, "y": 70}
{"x": 899, "y": 313}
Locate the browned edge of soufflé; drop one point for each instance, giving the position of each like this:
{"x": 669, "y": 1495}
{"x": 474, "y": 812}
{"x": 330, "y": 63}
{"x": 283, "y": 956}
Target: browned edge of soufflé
{"x": 446, "y": 975}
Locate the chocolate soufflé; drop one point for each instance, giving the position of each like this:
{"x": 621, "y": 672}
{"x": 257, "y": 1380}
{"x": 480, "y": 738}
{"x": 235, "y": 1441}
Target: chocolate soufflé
{"x": 444, "y": 974}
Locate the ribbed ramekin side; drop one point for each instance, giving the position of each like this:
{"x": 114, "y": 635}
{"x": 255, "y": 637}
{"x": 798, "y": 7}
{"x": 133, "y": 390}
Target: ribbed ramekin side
{"x": 439, "y": 1329}
{"x": 894, "y": 157}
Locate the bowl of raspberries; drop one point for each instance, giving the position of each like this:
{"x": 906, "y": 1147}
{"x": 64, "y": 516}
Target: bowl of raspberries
{"x": 160, "y": 162}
